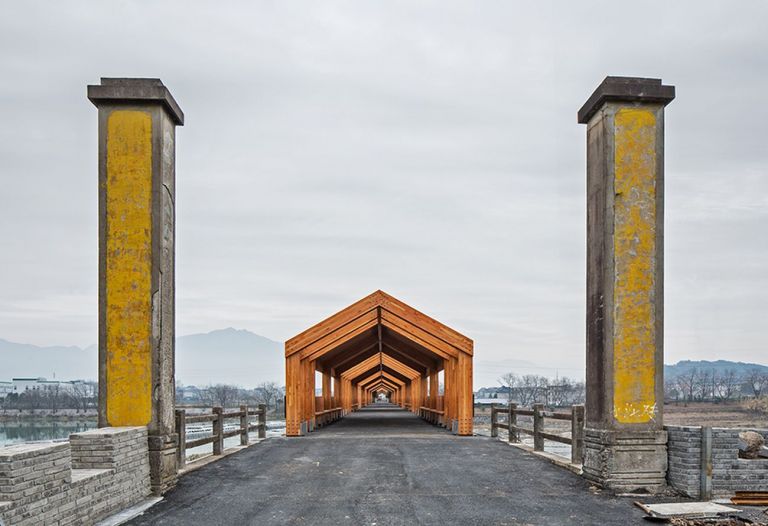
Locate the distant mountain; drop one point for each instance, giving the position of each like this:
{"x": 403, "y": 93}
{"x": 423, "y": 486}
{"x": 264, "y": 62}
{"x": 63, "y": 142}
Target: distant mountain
{"x": 719, "y": 366}
{"x": 222, "y": 356}
{"x": 229, "y": 356}
{"x": 66, "y": 363}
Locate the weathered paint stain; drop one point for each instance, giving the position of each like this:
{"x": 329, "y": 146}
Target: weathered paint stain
{"x": 128, "y": 268}
{"x": 634, "y": 257}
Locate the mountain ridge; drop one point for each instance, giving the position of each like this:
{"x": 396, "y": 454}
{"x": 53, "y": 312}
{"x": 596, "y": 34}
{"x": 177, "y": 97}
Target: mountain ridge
{"x": 227, "y": 355}
{"x": 237, "y": 356}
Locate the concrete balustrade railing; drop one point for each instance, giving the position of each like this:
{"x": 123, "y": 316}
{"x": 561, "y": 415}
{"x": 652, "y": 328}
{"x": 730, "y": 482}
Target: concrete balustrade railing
{"x": 511, "y": 411}
{"x": 217, "y": 417}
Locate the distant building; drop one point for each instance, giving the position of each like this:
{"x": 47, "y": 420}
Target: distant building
{"x": 189, "y": 393}
{"x": 23, "y": 385}
{"x": 493, "y": 392}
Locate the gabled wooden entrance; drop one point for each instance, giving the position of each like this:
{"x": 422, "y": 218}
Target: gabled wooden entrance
{"x": 379, "y": 344}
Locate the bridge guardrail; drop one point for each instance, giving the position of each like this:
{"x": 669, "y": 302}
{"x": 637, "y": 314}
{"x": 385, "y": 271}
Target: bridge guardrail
{"x": 327, "y": 416}
{"x": 433, "y": 416}
{"x": 217, "y": 418}
{"x": 576, "y": 417}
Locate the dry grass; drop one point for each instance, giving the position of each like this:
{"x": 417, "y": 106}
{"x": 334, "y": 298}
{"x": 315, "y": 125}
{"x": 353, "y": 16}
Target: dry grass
{"x": 715, "y": 415}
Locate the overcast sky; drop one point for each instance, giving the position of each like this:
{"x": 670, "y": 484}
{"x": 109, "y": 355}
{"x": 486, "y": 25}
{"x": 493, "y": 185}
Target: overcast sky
{"x": 429, "y": 149}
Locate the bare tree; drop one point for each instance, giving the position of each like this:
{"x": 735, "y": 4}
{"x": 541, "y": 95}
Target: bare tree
{"x": 725, "y": 385}
{"x": 510, "y": 382}
{"x": 222, "y": 395}
{"x": 83, "y": 395}
{"x": 686, "y": 384}
{"x": 757, "y": 381}
{"x": 704, "y": 385}
{"x": 268, "y": 393}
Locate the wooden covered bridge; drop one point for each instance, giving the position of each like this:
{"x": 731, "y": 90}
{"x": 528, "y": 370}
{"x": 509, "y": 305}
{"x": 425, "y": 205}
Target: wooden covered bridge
{"x": 378, "y": 345}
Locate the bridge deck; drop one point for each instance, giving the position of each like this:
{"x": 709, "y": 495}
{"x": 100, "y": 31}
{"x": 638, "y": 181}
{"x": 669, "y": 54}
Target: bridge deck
{"x": 404, "y": 472}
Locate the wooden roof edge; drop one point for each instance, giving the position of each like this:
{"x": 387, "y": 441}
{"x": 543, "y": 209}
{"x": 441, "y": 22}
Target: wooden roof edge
{"x": 462, "y": 342}
{"x": 376, "y": 299}
{"x": 323, "y": 327}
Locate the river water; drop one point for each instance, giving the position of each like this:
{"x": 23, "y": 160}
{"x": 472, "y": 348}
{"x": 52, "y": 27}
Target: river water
{"x": 31, "y": 431}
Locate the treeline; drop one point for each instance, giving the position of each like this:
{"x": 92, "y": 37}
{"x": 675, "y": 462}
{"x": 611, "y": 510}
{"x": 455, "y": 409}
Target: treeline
{"x": 713, "y": 385}
{"x": 228, "y": 395}
{"x": 528, "y": 389}
{"x": 80, "y": 396}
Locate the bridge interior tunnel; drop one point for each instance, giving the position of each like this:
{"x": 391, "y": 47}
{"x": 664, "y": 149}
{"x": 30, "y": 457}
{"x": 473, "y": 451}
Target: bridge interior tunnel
{"x": 378, "y": 345}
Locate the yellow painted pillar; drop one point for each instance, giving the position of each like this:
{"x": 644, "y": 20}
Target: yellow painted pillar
{"x": 137, "y": 129}
{"x": 624, "y": 437}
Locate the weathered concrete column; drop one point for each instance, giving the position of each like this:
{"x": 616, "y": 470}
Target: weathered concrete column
{"x": 624, "y": 440}
{"x": 137, "y": 122}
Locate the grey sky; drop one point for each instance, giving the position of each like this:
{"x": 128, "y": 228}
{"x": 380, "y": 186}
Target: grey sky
{"x": 429, "y": 149}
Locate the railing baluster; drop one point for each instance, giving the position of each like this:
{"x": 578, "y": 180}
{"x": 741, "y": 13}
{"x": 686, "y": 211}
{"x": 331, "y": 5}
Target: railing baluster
{"x": 538, "y": 427}
{"x": 218, "y": 431}
{"x": 262, "y": 421}
{"x": 494, "y": 429}
{"x": 577, "y": 434}
{"x": 513, "y": 435}
{"x": 244, "y": 425}
{"x": 181, "y": 429}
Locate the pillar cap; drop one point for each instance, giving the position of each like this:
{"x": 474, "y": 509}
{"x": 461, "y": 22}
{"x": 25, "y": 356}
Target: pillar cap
{"x": 136, "y": 90}
{"x": 625, "y": 89}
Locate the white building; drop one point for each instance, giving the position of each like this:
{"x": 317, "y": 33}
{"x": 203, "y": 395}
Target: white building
{"x": 22, "y": 385}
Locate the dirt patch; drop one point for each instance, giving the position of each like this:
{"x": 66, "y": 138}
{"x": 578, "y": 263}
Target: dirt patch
{"x": 714, "y": 415}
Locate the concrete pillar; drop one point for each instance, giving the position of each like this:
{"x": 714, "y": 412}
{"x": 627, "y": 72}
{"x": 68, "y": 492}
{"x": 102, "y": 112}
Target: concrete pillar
{"x": 624, "y": 439}
{"x": 137, "y": 123}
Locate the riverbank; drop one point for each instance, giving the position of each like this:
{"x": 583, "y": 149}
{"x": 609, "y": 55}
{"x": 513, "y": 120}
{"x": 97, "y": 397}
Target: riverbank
{"x": 47, "y": 415}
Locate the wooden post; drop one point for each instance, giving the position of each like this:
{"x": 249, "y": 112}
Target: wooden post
{"x": 514, "y": 434}
{"x": 181, "y": 429}
{"x": 577, "y": 434}
{"x": 538, "y": 427}
{"x": 243, "y": 425}
{"x": 218, "y": 431}
{"x": 494, "y": 429}
{"x": 262, "y": 421}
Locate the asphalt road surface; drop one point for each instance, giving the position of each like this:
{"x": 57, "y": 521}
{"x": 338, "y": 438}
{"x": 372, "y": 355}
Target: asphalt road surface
{"x": 384, "y": 466}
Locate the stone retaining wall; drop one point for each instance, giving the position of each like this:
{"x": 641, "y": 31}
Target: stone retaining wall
{"x": 729, "y": 472}
{"x": 95, "y": 474}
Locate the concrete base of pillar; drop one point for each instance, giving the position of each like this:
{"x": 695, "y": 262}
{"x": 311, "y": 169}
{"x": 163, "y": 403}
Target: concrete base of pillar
{"x": 626, "y": 461}
{"x": 163, "y": 462}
